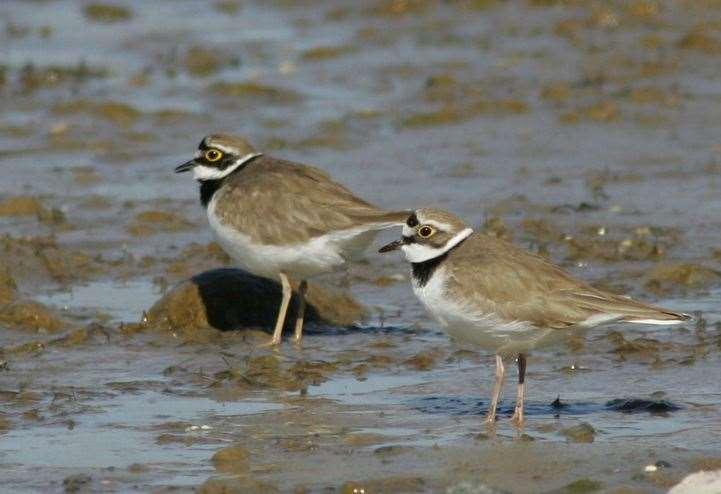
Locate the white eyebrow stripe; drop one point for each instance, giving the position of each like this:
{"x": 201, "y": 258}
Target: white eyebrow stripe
{"x": 438, "y": 225}
{"x": 225, "y": 149}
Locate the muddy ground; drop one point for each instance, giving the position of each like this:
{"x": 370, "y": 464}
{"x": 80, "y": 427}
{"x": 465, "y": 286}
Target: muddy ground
{"x": 585, "y": 131}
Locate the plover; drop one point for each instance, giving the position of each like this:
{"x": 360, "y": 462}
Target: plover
{"x": 276, "y": 218}
{"x": 485, "y": 291}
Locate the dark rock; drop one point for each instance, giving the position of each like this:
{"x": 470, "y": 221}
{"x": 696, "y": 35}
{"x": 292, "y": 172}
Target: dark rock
{"x": 557, "y": 404}
{"x": 639, "y": 405}
{"x": 231, "y": 299}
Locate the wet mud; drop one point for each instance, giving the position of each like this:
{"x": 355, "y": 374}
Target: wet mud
{"x": 131, "y": 350}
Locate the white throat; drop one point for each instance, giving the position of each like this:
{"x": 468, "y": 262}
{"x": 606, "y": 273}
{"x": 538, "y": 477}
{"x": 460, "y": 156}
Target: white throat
{"x": 202, "y": 172}
{"x": 416, "y": 252}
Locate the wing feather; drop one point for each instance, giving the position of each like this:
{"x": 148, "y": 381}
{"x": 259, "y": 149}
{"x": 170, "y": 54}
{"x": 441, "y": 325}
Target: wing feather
{"x": 521, "y": 286}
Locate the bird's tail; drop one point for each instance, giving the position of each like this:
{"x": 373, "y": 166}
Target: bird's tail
{"x": 640, "y": 313}
{"x": 618, "y": 308}
{"x": 662, "y": 318}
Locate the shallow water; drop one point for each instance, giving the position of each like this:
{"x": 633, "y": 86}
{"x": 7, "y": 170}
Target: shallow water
{"x": 121, "y": 301}
{"x": 586, "y": 131}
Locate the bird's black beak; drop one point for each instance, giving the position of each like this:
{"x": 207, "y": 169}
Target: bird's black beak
{"x": 396, "y": 244}
{"x": 185, "y": 167}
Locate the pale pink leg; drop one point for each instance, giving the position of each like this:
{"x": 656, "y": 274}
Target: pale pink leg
{"x": 497, "y": 388}
{"x": 280, "y": 321}
{"x": 301, "y": 311}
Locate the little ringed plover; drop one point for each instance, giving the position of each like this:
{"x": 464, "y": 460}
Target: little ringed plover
{"x": 276, "y": 218}
{"x": 485, "y": 291}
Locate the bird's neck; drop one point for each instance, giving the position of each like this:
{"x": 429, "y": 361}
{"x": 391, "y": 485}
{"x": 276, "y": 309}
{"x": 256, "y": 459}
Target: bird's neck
{"x": 208, "y": 188}
{"x": 422, "y": 271}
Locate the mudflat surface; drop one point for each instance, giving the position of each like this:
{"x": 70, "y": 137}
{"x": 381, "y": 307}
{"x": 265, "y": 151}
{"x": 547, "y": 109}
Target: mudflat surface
{"x": 586, "y": 131}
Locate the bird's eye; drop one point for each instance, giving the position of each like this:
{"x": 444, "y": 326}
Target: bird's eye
{"x": 213, "y": 155}
{"x": 426, "y": 231}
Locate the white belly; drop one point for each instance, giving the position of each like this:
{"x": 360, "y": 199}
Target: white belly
{"x": 465, "y": 323}
{"x": 320, "y": 255}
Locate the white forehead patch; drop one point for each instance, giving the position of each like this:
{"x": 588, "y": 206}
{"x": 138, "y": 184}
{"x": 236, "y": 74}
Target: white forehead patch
{"x": 202, "y": 172}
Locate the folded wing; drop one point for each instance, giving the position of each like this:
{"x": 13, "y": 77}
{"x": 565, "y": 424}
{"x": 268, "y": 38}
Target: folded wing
{"x": 524, "y": 287}
{"x": 309, "y": 203}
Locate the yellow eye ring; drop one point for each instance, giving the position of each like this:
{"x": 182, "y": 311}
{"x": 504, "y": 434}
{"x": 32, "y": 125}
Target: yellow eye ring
{"x": 426, "y": 231}
{"x": 213, "y": 155}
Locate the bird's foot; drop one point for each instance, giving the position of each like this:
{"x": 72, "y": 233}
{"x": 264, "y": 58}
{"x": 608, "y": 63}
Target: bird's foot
{"x": 274, "y": 342}
{"x": 490, "y": 420}
{"x": 517, "y": 418}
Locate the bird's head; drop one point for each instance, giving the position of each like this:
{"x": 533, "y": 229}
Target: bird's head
{"x": 429, "y": 233}
{"x": 218, "y": 156}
